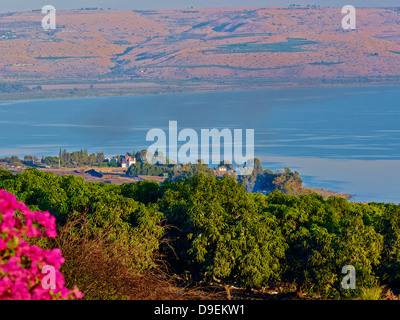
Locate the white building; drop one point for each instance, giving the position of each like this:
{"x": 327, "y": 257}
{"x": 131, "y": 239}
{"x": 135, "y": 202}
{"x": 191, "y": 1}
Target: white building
{"x": 222, "y": 169}
{"x": 130, "y": 161}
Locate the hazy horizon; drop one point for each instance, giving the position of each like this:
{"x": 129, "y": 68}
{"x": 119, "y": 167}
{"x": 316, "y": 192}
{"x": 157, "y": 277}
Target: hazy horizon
{"x": 28, "y": 5}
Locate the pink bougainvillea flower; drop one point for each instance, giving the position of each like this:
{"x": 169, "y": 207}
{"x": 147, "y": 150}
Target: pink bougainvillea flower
{"x": 22, "y": 264}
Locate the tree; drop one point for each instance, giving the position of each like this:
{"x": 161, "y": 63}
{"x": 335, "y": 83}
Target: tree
{"x": 226, "y": 163}
{"x": 100, "y": 158}
{"x": 323, "y": 236}
{"x": 141, "y": 155}
{"x": 28, "y": 159}
{"x": 15, "y": 161}
{"x": 219, "y": 232}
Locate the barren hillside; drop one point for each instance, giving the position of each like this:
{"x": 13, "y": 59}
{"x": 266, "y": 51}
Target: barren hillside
{"x": 246, "y": 46}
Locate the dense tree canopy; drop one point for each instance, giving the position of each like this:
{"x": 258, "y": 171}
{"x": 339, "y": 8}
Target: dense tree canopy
{"x": 210, "y": 228}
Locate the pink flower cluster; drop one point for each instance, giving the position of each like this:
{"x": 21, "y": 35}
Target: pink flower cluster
{"x": 21, "y": 263}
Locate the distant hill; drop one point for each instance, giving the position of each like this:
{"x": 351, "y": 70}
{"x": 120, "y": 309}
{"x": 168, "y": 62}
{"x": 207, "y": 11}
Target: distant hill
{"x": 246, "y": 47}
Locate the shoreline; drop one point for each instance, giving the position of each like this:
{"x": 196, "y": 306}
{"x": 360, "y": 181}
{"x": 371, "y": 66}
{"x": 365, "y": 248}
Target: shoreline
{"x": 165, "y": 90}
{"x": 118, "y": 176}
{"x": 244, "y": 89}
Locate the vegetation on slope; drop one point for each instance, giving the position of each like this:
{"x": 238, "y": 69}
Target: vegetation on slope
{"x": 210, "y": 229}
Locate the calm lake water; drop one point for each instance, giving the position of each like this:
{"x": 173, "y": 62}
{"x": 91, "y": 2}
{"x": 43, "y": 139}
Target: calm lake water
{"x": 342, "y": 139}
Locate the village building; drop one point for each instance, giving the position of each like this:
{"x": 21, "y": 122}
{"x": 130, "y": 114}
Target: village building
{"x": 130, "y": 161}
{"x": 222, "y": 169}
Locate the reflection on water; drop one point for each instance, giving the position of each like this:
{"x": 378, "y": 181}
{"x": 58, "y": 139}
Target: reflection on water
{"x": 345, "y": 139}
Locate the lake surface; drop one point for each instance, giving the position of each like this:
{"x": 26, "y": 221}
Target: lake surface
{"x": 342, "y": 139}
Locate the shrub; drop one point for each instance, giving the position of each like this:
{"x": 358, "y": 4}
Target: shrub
{"x": 324, "y": 236}
{"x": 121, "y": 218}
{"x": 21, "y": 263}
{"x": 374, "y": 293}
{"x": 219, "y": 232}
{"x": 103, "y": 269}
